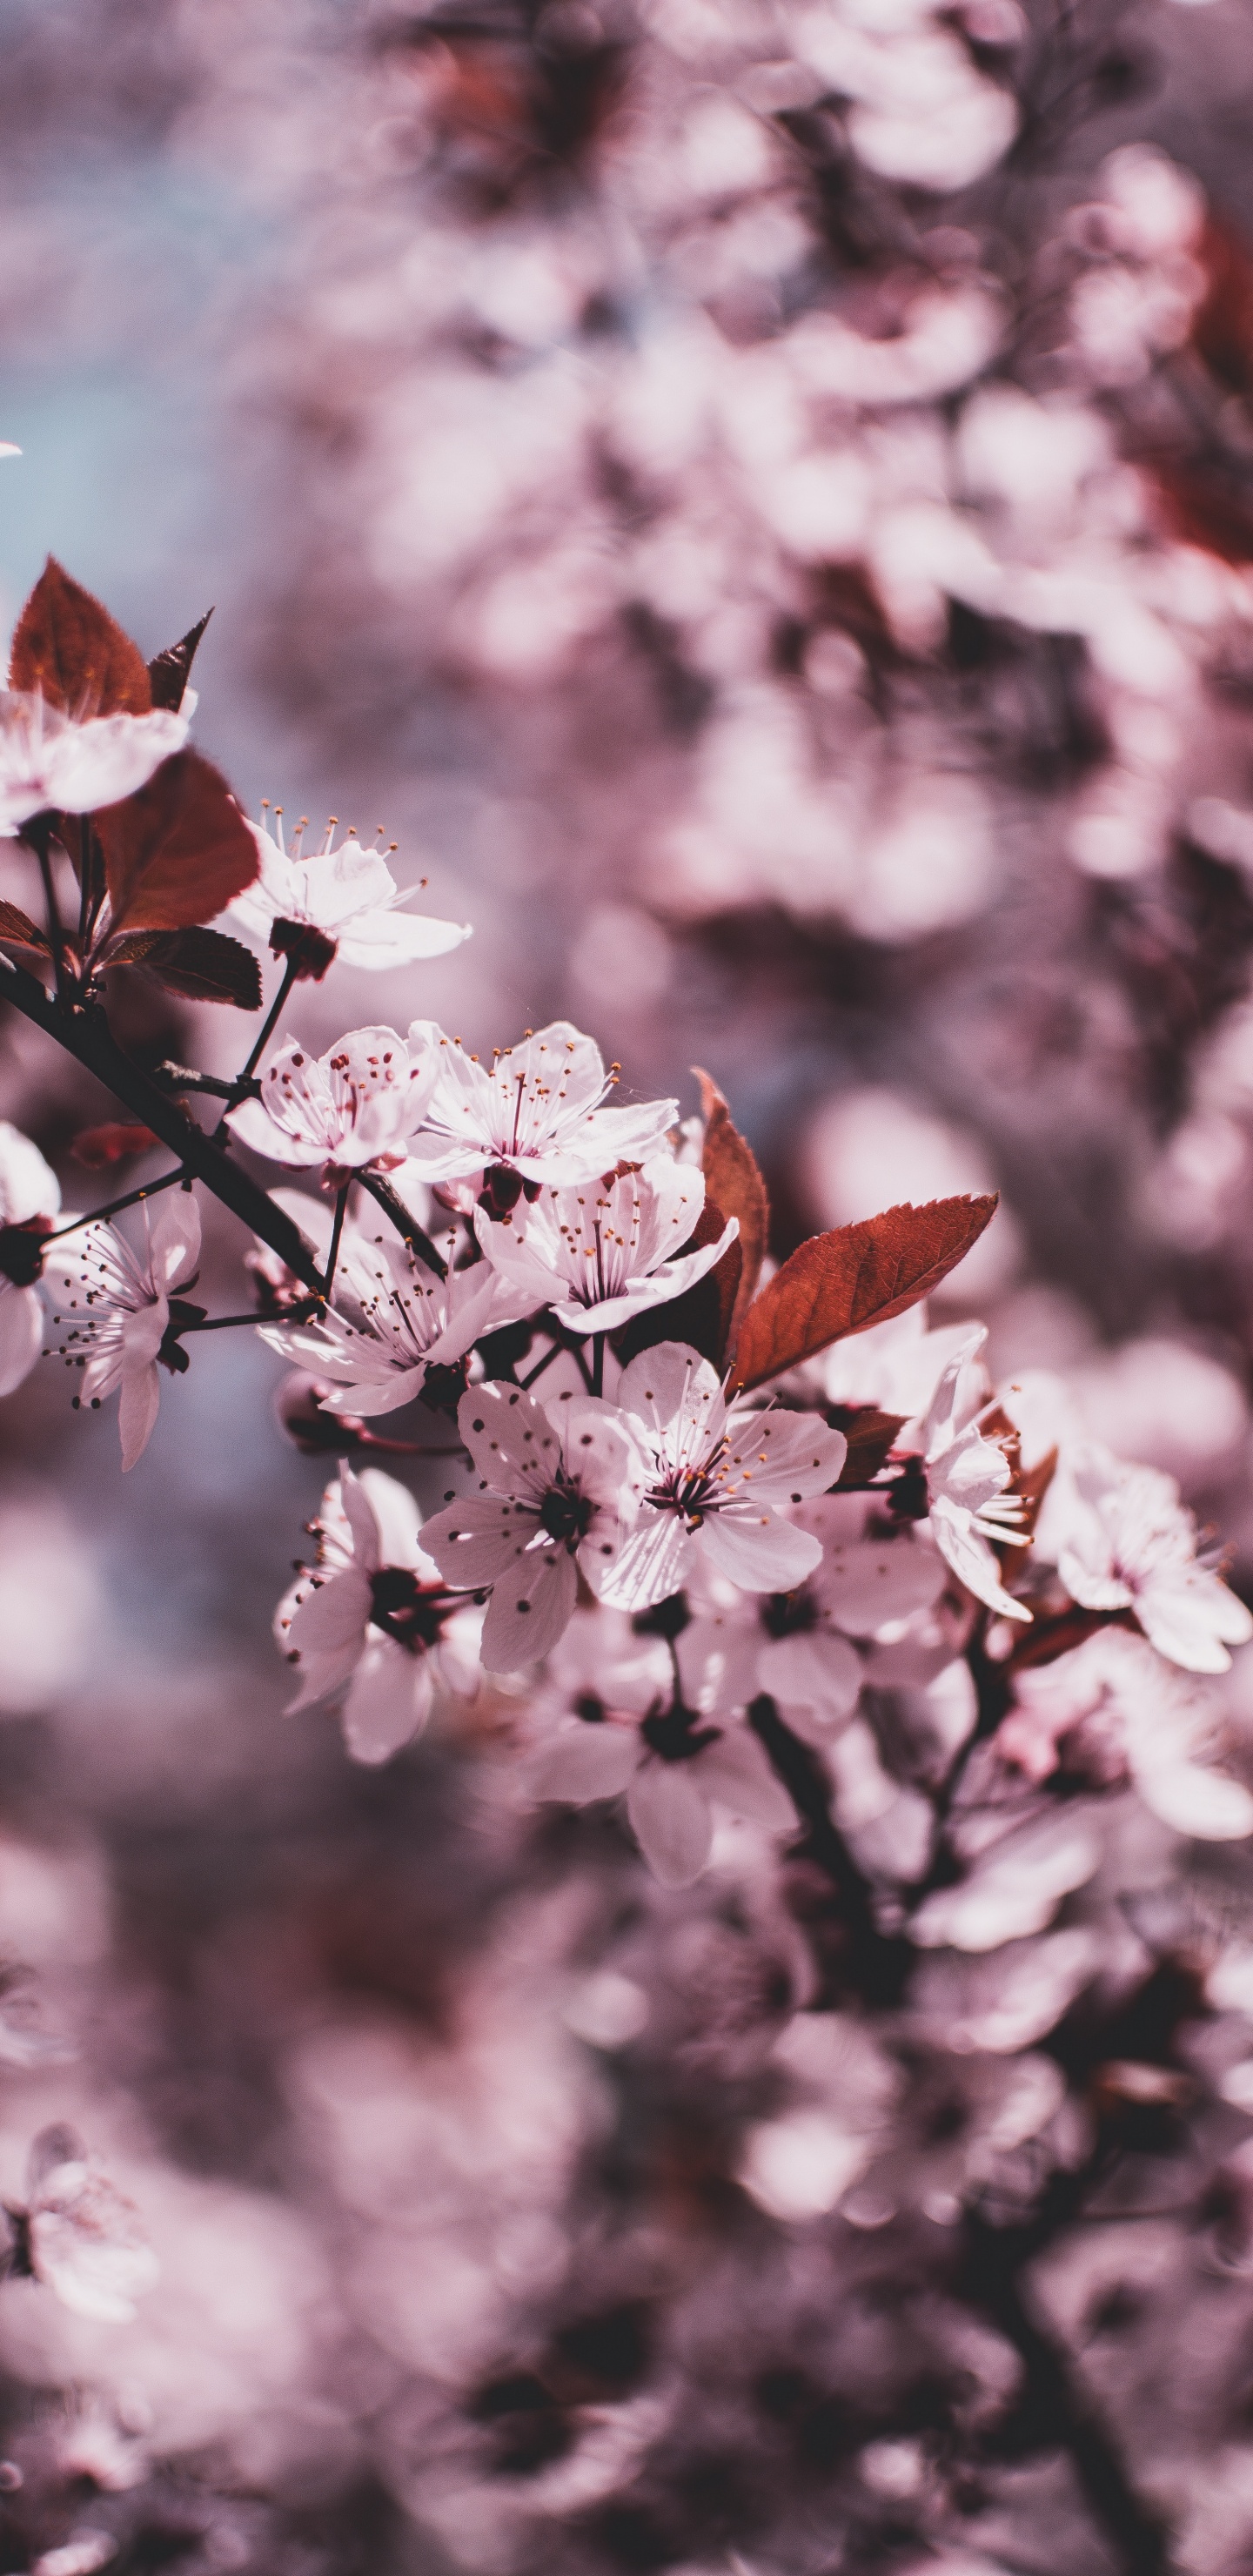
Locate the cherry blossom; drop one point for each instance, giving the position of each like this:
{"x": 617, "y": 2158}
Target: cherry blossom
{"x": 79, "y": 2234}
{"x": 798, "y": 1645}
{"x": 337, "y": 901}
{"x": 1112, "y": 1710}
{"x": 375, "y": 1614}
{"x": 346, "y": 1109}
{"x": 1129, "y": 1544}
{"x": 114, "y": 1309}
{"x": 393, "y": 1319}
{"x": 967, "y": 1476}
{"x": 30, "y": 1197}
{"x": 608, "y": 1249}
{"x": 608, "y": 1725}
{"x": 51, "y": 761}
{"x": 716, "y": 1480}
{"x": 560, "y": 1490}
{"x": 536, "y": 1116}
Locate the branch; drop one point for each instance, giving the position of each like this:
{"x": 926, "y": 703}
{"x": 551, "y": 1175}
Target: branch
{"x": 86, "y": 1035}
{"x": 406, "y": 1224}
{"x": 879, "y": 1962}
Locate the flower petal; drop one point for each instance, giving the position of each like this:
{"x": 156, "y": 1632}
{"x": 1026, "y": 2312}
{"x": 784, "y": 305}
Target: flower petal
{"x": 529, "y": 1609}
{"x": 333, "y": 1617}
{"x": 736, "y": 1774}
{"x": 476, "y": 1541}
{"x": 21, "y": 1334}
{"x": 510, "y": 1438}
{"x": 137, "y": 1412}
{"x": 580, "y": 1763}
{"x": 758, "y": 1551}
{"x": 389, "y": 1701}
{"x": 672, "y": 1823}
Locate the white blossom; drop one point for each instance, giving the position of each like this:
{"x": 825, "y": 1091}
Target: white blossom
{"x": 560, "y": 1490}
{"x": 716, "y": 1480}
{"x": 375, "y": 1617}
{"x": 537, "y": 1112}
{"x": 607, "y": 1249}
{"x": 1113, "y": 1710}
{"x": 393, "y": 1318}
{"x": 971, "y": 1512}
{"x": 346, "y": 894}
{"x": 51, "y": 761}
{"x": 82, "y": 2236}
{"x": 113, "y": 1308}
{"x": 349, "y": 1108}
{"x": 29, "y": 1191}
{"x": 1129, "y": 1544}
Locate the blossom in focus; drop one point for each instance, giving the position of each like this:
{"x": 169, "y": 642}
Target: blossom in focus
{"x": 392, "y": 1320}
{"x": 615, "y": 1732}
{"x": 971, "y": 1512}
{"x": 336, "y": 902}
{"x": 79, "y": 2234}
{"x": 895, "y": 1366}
{"x": 50, "y": 761}
{"x": 602, "y": 1251}
{"x": 29, "y": 1192}
{"x": 353, "y": 1106}
{"x": 113, "y": 1309}
{"x": 798, "y": 1645}
{"x": 537, "y": 1115}
{"x": 560, "y": 1490}
{"x": 1113, "y": 1711}
{"x": 1130, "y": 1544}
{"x": 716, "y": 1480}
{"x": 375, "y": 1614}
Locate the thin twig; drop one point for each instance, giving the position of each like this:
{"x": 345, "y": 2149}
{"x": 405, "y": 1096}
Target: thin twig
{"x": 406, "y": 1224}
{"x": 268, "y": 1027}
{"x": 114, "y": 1207}
{"x": 332, "y": 1258}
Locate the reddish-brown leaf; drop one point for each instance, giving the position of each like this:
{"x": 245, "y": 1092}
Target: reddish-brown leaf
{"x": 870, "y": 1435}
{"x": 735, "y": 1184}
{"x": 203, "y": 965}
{"x": 69, "y": 648}
{"x": 170, "y": 671}
{"x": 115, "y": 1142}
{"x": 19, "y": 930}
{"x": 843, "y": 1282}
{"x": 176, "y": 852}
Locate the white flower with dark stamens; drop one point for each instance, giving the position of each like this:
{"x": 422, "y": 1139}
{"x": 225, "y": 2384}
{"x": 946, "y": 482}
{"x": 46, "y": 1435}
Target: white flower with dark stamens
{"x": 54, "y": 762}
{"x": 560, "y": 1490}
{"x": 716, "y": 1480}
{"x": 1130, "y": 1544}
{"x": 375, "y": 1616}
{"x": 967, "y": 1475}
{"x": 112, "y": 1310}
{"x": 349, "y": 1108}
{"x": 1113, "y": 1711}
{"x": 346, "y": 896}
{"x": 392, "y": 1320}
{"x": 79, "y": 2234}
{"x": 535, "y": 1112}
{"x": 618, "y": 1731}
{"x": 30, "y": 1195}
{"x": 798, "y": 1645}
{"x": 605, "y": 1250}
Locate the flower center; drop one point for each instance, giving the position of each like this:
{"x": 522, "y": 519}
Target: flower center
{"x": 789, "y": 1614}
{"x": 409, "y": 1611}
{"x": 676, "y": 1733}
{"x": 566, "y": 1514}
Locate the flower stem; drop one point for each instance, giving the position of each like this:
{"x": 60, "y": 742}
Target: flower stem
{"x": 393, "y": 1205}
{"x": 598, "y": 1363}
{"x": 268, "y": 1027}
{"x": 114, "y": 1207}
{"x": 341, "y": 1206}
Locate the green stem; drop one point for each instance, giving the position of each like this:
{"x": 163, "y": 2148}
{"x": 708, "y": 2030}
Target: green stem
{"x": 85, "y": 1034}
{"x": 393, "y": 1206}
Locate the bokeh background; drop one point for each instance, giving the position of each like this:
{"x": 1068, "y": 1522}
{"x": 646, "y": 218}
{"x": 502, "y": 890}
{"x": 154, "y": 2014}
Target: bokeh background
{"x": 757, "y": 501}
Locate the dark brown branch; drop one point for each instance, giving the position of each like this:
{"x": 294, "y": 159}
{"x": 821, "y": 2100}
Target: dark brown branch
{"x": 406, "y": 1224}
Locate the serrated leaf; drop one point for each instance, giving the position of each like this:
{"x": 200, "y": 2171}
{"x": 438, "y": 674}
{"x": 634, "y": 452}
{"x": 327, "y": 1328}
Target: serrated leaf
{"x": 203, "y": 965}
{"x": 19, "y": 930}
{"x": 869, "y": 1434}
{"x": 858, "y": 1275}
{"x": 734, "y": 1181}
{"x": 69, "y": 648}
{"x": 176, "y": 852}
{"x": 169, "y": 672}
{"x": 701, "y": 1317}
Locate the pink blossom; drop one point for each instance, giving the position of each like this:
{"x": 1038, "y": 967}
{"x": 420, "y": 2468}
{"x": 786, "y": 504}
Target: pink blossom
{"x": 53, "y": 761}
{"x": 29, "y": 1191}
{"x": 375, "y": 1616}
{"x": 1129, "y": 1544}
{"x": 537, "y": 1113}
{"x": 114, "y": 1310}
{"x": 601, "y": 1251}
{"x": 349, "y": 1108}
{"x": 346, "y": 894}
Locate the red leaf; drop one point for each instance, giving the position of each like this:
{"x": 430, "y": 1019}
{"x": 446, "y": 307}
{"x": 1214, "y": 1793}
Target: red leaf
{"x": 701, "y": 1317}
{"x": 18, "y": 930}
{"x": 870, "y": 1435}
{"x": 176, "y": 852}
{"x": 115, "y": 1142}
{"x": 170, "y": 671}
{"x": 843, "y": 1282}
{"x": 69, "y": 648}
{"x": 203, "y": 965}
{"x": 733, "y": 1181}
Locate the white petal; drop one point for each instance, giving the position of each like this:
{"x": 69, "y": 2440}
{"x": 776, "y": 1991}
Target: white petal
{"x": 672, "y": 1823}
{"x": 758, "y": 1551}
{"x": 972, "y": 1559}
{"x": 783, "y": 1457}
{"x": 529, "y": 1609}
{"x": 389, "y": 1701}
{"x": 21, "y": 1334}
{"x": 356, "y": 1503}
{"x": 137, "y": 1412}
{"x": 333, "y": 1616}
{"x": 815, "y": 1670}
{"x": 1191, "y": 1618}
{"x": 871, "y": 1581}
{"x": 736, "y": 1774}
{"x": 28, "y": 1185}
{"x": 1195, "y": 1801}
{"x": 515, "y": 1447}
{"x": 396, "y": 1517}
{"x": 391, "y": 939}
{"x": 654, "y": 1561}
{"x": 579, "y": 1763}
{"x": 476, "y": 1541}
{"x": 174, "y": 1239}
